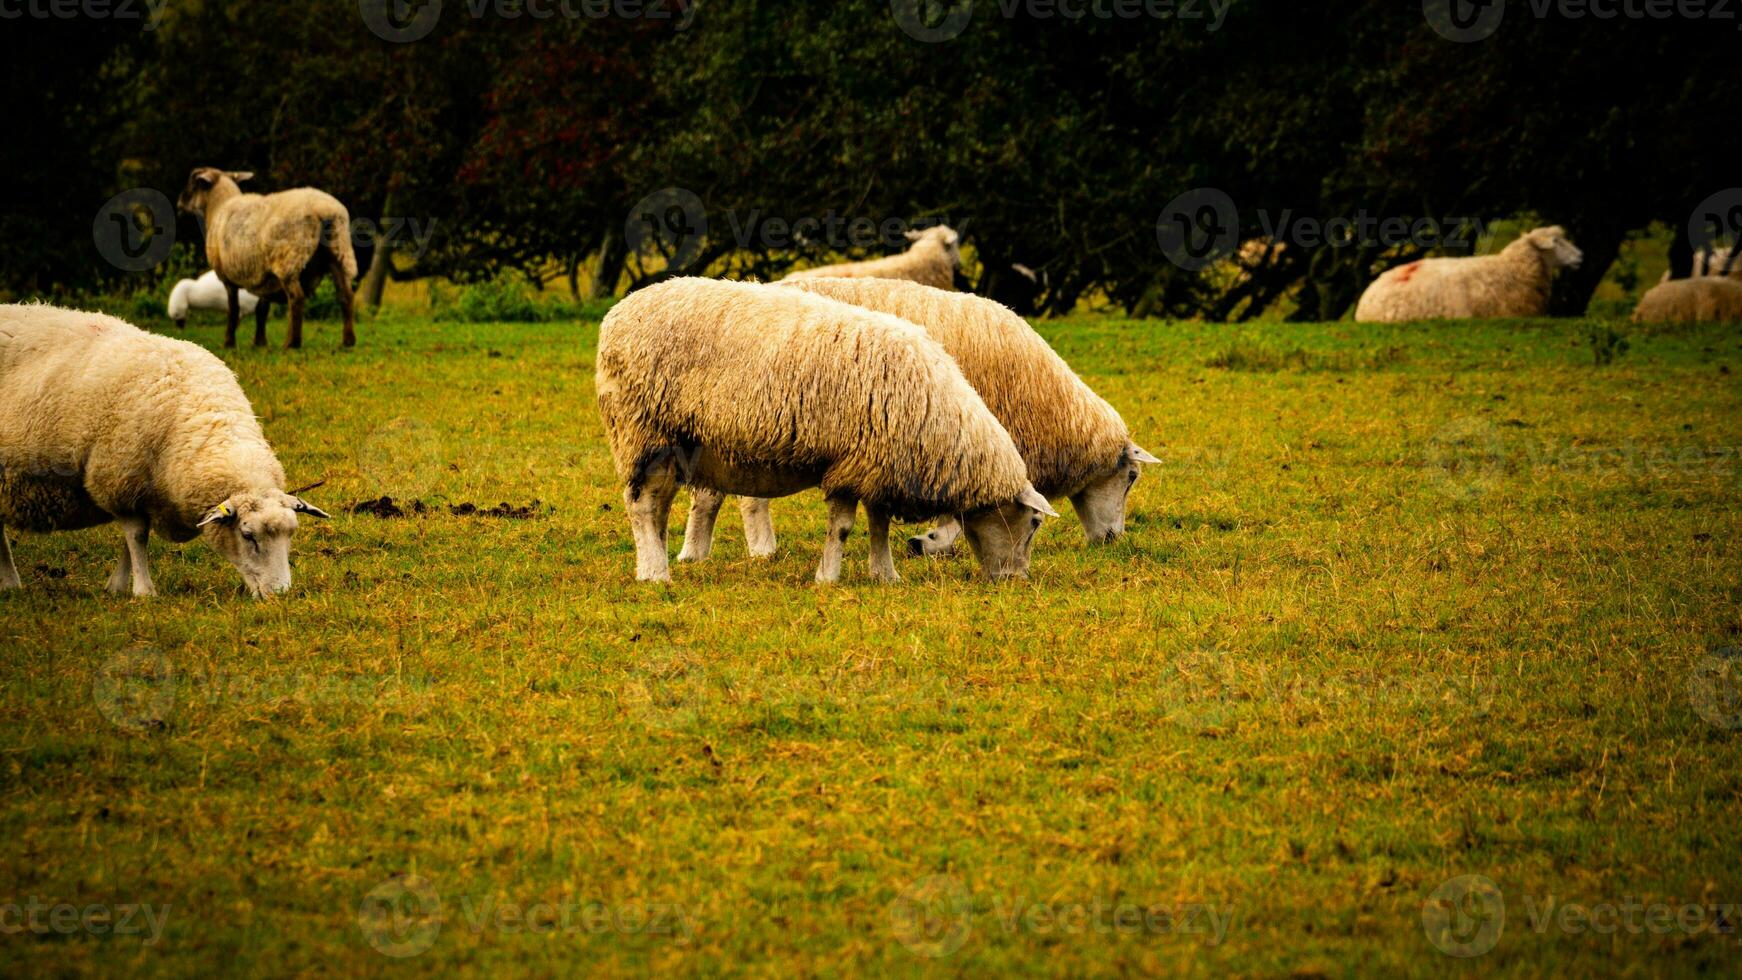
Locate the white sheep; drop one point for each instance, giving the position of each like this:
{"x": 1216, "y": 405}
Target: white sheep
{"x": 1703, "y": 299}
{"x": 933, "y": 260}
{"x": 763, "y": 391}
{"x": 274, "y": 245}
{"x": 1513, "y": 283}
{"x": 101, "y": 422}
{"x": 205, "y": 293}
{"x": 1074, "y": 443}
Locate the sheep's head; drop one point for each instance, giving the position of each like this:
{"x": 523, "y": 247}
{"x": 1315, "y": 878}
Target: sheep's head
{"x": 946, "y": 238}
{"x": 1003, "y": 536}
{"x": 1556, "y": 248}
{"x": 1101, "y": 504}
{"x": 253, "y": 531}
{"x": 196, "y": 196}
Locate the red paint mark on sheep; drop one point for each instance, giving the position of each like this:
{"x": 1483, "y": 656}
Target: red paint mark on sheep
{"x": 1408, "y": 272}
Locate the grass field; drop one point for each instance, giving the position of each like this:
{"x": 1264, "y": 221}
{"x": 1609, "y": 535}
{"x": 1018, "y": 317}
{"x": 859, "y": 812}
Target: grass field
{"x": 1404, "y": 605}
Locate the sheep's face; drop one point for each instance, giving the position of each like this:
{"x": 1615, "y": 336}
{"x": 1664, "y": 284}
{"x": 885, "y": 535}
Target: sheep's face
{"x": 197, "y": 194}
{"x": 253, "y": 531}
{"x": 1101, "y": 505}
{"x": 946, "y": 237}
{"x": 1003, "y": 536}
{"x": 1557, "y": 248}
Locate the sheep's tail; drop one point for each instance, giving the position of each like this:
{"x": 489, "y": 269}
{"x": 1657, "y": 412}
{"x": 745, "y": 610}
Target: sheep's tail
{"x": 336, "y": 235}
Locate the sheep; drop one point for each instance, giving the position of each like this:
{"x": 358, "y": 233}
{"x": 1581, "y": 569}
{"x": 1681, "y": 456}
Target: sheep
{"x": 934, "y": 258}
{"x": 205, "y": 293}
{"x": 755, "y": 390}
{"x": 1074, "y": 443}
{"x": 1513, "y": 283}
{"x": 1703, "y": 299}
{"x": 1712, "y": 262}
{"x": 275, "y": 245}
{"x": 101, "y": 422}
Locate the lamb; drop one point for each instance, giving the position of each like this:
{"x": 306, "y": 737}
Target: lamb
{"x": 761, "y": 391}
{"x": 1703, "y": 299}
{"x": 274, "y": 245}
{"x": 205, "y": 293}
{"x": 933, "y": 260}
{"x": 1074, "y": 443}
{"x": 101, "y": 422}
{"x": 1513, "y": 283}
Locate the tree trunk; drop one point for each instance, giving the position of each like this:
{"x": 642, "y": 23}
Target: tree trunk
{"x": 375, "y": 280}
{"x": 608, "y": 268}
{"x": 1573, "y": 288}
{"x": 1681, "y": 253}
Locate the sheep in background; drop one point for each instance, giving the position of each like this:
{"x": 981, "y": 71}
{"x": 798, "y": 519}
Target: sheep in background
{"x": 1705, "y": 299}
{"x": 205, "y": 293}
{"x": 1074, "y": 444}
{"x": 276, "y": 244}
{"x": 1513, "y": 283}
{"x": 933, "y": 260}
{"x": 762, "y": 391}
{"x": 101, "y": 422}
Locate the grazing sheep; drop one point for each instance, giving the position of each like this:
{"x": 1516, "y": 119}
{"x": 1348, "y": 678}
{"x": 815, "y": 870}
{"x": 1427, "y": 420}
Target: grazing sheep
{"x": 1704, "y": 299}
{"x": 100, "y": 422}
{"x": 205, "y": 293}
{"x": 1074, "y": 443}
{"x": 934, "y": 258}
{"x": 1513, "y": 283}
{"x": 274, "y": 245}
{"x": 762, "y": 391}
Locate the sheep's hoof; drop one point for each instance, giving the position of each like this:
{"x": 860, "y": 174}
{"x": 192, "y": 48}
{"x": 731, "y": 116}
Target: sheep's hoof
{"x": 181, "y": 324}
{"x": 10, "y": 583}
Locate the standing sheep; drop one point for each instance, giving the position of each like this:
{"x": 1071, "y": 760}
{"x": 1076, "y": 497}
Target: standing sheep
{"x": 752, "y": 389}
{"x": 933, "y": 260}
{"x": 276, "y": 244}
{"x": 1513, "y": 283}
{"x": 1703, "y": 299}
{"x": 205, "y": 293}
{"x": 100, "y": 422}
{"x": 1074, "y": 444}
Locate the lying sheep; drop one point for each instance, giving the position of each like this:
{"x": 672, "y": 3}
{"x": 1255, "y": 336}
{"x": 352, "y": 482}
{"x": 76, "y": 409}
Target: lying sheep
{"x": 757, "y": 390}
{"x": 1513, "y": 283}
{"x": 933, "y": 260}
{"x": 1705, "y": 299}
{"x": 1074, "y": 443}
{"x": 274, "y": 245}
{"x": 103, "y": 422}
{"x": 205, "y": 293}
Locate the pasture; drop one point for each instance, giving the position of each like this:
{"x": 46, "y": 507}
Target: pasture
{"x": 1403, "y": 605}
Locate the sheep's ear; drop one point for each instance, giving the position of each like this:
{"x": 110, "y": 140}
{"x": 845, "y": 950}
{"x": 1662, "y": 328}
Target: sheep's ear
{"x": 204, "y": 178}
{"x": 302, "y": 506}
{"x": 221, "y": 514}
{"x": 1032, "y": 499}
{"x": 1140, "y": 455}
{"x": 914, "y": 236}
{"x": 239, "y": 176}
{"x": 950, "y": 237}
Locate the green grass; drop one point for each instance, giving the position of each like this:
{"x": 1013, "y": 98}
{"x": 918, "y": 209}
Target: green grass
{"x": 1403, "y": 604}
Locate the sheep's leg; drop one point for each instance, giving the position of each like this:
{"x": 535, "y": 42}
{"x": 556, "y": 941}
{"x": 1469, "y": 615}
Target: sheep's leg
{"x": 940, "y": 540}
{"x": 138, "y": 531}
{"x": 347, "y": 301}
{"x": 8, "y": 572}
{"x": 882, "y": 564}
{"x": 261, "y": 312}
{"x": 121, "y": 579}
{"x": 649, "y": 510}
{"x": 232, "y": 314}
{"x": 294, "y": 298}
{"x": 758, "y": 525}
{"x": 698, "y": 535}
{"x": 842, "y": 511}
